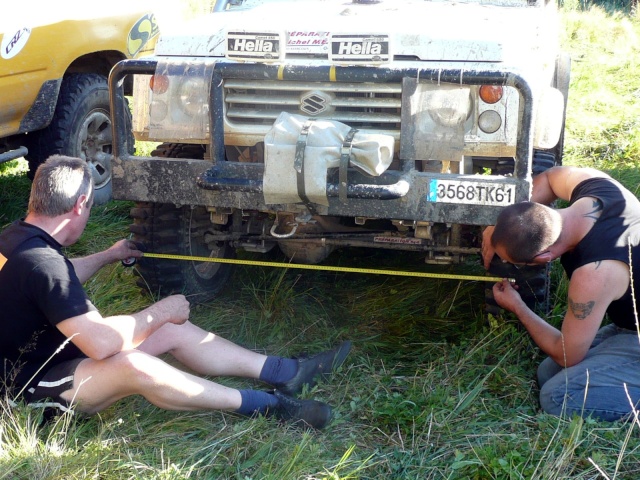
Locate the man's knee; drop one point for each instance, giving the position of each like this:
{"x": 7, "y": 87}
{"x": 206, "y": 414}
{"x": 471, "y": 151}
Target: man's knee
{"x": 552, "y": 401}
{"x": 132, "y": 369}
{"x": 97, "y": 384}
{"x": 137, "y": 363}
{"x": 567, "y": 396}
{"x": 547, "y": 370}
{"x": 564, "y": 391}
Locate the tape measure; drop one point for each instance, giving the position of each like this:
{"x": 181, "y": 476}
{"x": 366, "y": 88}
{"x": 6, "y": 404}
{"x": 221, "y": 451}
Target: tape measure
{"x": 447, "y": 276}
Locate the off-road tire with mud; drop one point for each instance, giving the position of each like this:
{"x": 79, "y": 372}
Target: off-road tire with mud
{"x": 81, "y": 127}
{"x": 167, "y": 229}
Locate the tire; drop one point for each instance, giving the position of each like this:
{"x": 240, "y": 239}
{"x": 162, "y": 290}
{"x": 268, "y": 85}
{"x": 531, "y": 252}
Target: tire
{"x": 534, "y": 282}
{"x": 542, "y": 160}
{"x": 81, "y": 127}
{"x": 164, "y": 228}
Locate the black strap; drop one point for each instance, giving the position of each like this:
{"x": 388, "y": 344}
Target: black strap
{"x": 298, "y": 165}
{"x": 345, "y": 157}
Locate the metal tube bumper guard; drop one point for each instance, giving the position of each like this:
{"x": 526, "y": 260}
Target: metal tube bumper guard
{"x": 395, "y": 194}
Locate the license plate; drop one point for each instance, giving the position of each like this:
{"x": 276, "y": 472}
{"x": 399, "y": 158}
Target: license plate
{"x": 472, "y": 193}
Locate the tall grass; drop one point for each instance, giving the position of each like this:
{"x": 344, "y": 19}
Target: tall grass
{"x": 431, "y": 389}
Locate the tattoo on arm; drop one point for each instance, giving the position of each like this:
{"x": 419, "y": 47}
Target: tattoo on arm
{"x": 581, "y": 310}
{"x": 595, "y": 213}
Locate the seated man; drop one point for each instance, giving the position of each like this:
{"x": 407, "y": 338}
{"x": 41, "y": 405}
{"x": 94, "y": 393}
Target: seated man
{"x": 590, "y": 370}
{"x": 57, "y": 349}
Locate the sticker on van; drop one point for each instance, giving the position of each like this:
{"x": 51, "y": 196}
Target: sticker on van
{"x": 12, "y": 43}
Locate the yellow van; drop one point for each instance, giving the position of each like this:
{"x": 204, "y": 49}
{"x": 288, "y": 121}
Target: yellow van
{"x": 55, "y": 59}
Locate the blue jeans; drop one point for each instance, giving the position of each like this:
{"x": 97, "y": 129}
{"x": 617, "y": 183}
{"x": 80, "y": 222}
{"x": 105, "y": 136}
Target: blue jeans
{"x": 596, "y": 386}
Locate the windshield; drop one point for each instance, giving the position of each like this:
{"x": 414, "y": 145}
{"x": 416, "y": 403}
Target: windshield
{"x": 222, "y": 5}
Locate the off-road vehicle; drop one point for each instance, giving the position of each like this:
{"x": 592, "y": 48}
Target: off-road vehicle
{"x": 55, "y": 59}
{"x": 314, "y": 125}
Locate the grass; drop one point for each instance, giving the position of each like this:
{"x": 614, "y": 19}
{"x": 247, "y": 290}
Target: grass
{"x": 431, "y": 389}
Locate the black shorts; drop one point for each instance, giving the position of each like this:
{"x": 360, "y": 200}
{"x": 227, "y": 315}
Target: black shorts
{"x": 57, "y": 380}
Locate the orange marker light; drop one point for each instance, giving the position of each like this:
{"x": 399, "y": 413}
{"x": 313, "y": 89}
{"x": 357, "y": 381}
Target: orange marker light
{"x": 491, "y": 93}
{"x": 159, "y": 84}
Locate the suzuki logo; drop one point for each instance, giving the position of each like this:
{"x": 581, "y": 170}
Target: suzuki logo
{"x": 316, "y": 102}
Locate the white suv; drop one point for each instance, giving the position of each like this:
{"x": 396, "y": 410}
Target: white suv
{"x": 311, "y": 125}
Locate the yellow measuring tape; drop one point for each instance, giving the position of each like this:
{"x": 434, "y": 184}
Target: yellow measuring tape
{"x": 373, "y": 271}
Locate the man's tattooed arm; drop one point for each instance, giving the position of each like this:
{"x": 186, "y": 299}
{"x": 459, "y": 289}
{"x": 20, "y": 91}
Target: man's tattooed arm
{"x": 581, "y": 310}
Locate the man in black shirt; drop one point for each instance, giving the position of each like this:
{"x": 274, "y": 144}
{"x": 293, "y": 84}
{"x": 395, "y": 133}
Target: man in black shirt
{"x": 590, "y": 370}
{"x": 58, "y": 350}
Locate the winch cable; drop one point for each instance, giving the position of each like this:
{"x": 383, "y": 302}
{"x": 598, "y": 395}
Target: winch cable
{"x": 373, "y": 271}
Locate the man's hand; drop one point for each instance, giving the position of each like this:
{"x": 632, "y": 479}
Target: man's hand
{"x": 86, "y": 267}
{"x": 123, "y": 250}
{"x": 487, "y": 249}
{"x": 100, "y": 338}
{"x": 174, "y": 308}
{"x": 506, "y": 295}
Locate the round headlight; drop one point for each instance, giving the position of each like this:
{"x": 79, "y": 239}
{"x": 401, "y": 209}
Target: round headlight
{"x": 450, "y": 107}
{"x": 192, "y": 95}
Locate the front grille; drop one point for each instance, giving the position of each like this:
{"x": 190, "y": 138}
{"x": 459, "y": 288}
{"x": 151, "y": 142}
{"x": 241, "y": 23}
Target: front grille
{"x": 362, "y": 105}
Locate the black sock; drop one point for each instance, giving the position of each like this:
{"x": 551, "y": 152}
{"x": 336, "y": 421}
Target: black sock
{"x": 278, "y": 370}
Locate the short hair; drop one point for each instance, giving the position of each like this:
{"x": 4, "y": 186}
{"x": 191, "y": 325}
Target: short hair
{"x": 57, "y": 185}
{"x": 525, "y": 230}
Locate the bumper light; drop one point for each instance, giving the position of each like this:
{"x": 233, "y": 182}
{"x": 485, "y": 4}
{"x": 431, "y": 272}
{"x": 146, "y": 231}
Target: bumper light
{"x": 489, "y": 121}
{"x": 491, "y": 93}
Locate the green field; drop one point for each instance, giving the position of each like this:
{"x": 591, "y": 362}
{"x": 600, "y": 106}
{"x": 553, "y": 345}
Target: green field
{"x": 433, "y": 389}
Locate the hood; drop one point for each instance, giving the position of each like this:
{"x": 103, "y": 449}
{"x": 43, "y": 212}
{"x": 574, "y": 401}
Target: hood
{"x": 416, "y": 30}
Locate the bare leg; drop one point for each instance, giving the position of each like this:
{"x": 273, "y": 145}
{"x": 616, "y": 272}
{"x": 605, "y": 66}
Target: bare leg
{"x": 204, "y": 352}
{"x": 98, "y": 384}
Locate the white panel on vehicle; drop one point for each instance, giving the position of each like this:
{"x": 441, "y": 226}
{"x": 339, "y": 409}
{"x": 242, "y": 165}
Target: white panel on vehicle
{"x": 307, "y": 41}
{"x": 471, "y": 192}
{"x": 358, "y": 49}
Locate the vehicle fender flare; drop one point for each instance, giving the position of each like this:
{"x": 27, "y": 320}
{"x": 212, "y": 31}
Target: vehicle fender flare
{"x": 41, "y": 112}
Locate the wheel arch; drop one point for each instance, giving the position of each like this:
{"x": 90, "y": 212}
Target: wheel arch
{"x": 41, "y": 112}
{"x": 101, "y": 63}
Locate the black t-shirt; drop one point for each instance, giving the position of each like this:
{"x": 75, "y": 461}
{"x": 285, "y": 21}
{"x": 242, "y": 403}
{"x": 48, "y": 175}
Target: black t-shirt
{"x": 617, "y": 228}
{"x": 38, "y": 289}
